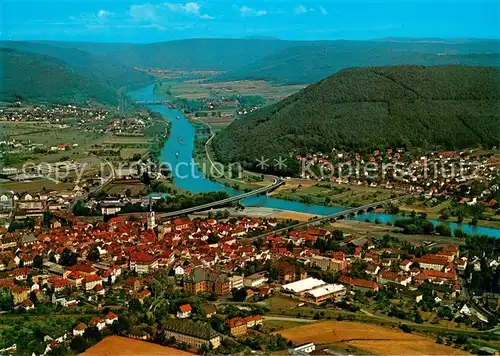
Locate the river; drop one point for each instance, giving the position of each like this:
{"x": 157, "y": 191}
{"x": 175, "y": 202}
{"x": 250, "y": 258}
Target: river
{"x": 187, "y": 176}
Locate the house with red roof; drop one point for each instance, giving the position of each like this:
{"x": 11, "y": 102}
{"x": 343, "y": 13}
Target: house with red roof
{"x": 180, "y": 224}
{"x": 142, "y": 262}
{"x": 98, "y": 322}
{"x": 110, "y": 318}
{"x": 79, "y": 329}
{"x": 58, "y": 283}
{"x": 237, "y": 326}
{"x": 27, "y": 305}
{"x": 393, "y": 277}
{"x": 359, "y": 284}
{"x": 91, "y": 281}
{"x": 184, "y": 311}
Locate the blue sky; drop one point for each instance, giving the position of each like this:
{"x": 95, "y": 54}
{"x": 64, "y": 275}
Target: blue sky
{"x": 151, "y": 21}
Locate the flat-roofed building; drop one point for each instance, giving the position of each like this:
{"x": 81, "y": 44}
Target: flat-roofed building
{"x": 255, "y": 280}
{"x": 320, "y": 294}
{"x": 299, "y": 287}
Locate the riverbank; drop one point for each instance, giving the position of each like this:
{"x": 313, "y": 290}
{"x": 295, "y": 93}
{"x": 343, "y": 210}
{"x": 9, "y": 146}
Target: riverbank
{"x": 260, "y": 212}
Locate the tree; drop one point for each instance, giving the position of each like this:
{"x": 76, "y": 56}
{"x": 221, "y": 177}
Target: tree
{"x": 405, "y": 328}
{"x": 68, "y": 257}
{"x": 6, "y": 299}
{"x": 443, "y": 230}
{"x": 79, "y": 344}
{"x": 38, "y": 261}
{"x": 93, "y": 254}
{"x": 92, "y": 334}
{"x": 128, "y": 192}
{"x": 239, "y": 295}
{"x": 204, "y": 349}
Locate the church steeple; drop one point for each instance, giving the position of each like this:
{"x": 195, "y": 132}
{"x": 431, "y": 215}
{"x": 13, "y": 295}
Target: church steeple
{"x": 151, "y": 217}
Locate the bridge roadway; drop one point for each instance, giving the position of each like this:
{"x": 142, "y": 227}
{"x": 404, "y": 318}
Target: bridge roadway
{"x": 276, "y": 183}
{"x": 338, "y": 215}
{"x": 151, "y": 102}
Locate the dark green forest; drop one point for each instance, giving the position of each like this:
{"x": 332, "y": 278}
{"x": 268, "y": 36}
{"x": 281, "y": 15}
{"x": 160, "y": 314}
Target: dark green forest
{"x": 366, "y": 108}
{"x": 106, "y": 70}
{"x": 31, "y": 77}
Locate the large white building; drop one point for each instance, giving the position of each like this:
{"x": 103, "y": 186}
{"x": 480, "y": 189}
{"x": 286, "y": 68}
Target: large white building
{"x": 323, "y": 293}
{"x": 254, "y": 280}
{"x": 299, "y": 287}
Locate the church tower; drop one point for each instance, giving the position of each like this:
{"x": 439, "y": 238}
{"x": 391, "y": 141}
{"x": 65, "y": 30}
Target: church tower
{"x": 151, "y": 224}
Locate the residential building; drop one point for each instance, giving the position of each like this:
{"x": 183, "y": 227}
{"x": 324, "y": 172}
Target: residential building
{"x": 79, "y": 329}
{"x": 235, "y": 282}
{"x": 255, "y": 280}
{"x": 202, "y": 280}
{"x": 91, "y": 281}
{"x": 191, "y": 333}
{"x": 237, "y": 326}
{"x": 184, "y": 311}
{"x": 142, "y": 262}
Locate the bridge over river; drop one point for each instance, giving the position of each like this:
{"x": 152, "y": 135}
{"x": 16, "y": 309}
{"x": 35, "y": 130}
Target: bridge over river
{"x": 338, "y": 215}
{"x": 152, "y": 102}
{"x": 276, "y": 183}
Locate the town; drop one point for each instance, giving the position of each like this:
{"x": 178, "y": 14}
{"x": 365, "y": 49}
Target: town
{"x": 138, "y": 277}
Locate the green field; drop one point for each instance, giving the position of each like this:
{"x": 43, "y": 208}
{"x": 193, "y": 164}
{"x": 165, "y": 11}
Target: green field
{"x": 196, "y": 89}
{"x": 335, "y": 195}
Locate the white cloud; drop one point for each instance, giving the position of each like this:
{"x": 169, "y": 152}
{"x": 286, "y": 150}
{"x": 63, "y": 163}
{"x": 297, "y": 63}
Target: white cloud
{"x": 206, "y": 17}
{"x": 323, "y": 10}
{"x": 145, "y": 12}
{"x": 192, "y": 8}
{"x": 103, "y": 13}
{"x": 300, "y": 9}
{"x": 248, "y": 11}
{"x": 154, "y": 12}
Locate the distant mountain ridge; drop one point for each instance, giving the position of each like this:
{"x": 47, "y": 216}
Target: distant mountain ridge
{"x": 112, "y": 65}
{"x": 310, "y": 62}
{"x": 366, "y": 108}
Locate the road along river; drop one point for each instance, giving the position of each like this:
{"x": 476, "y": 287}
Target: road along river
{"x": 179, "y": 154}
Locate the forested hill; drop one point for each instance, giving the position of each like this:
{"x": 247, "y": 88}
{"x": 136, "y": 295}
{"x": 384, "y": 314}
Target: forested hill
{"x": 36, "y": 78}
{"x": 103, "y": 69}
{"x": 309, "y": 62}
{"x": 365, "y": 108}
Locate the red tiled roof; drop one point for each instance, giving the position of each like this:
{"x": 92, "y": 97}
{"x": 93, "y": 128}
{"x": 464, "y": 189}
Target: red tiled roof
{"x": 91, "y": 278}
{"x": 358, "y": 282}
{"x": 185, "y": 308}
{"x": 111, "y": 316}
{"x": 235, "y": 322}
{"x": 80, "y": 327}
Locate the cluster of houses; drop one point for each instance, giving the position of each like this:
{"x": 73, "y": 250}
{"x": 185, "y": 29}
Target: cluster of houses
{"x": 74, "y": 260}
{"x": 32, "y": 206}
{"x": 432, "y": 175}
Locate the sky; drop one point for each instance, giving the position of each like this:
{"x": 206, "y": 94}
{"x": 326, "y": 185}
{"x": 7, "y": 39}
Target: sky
{"x": 154, "y": 21}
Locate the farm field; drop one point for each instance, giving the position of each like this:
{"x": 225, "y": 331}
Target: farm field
{"x": 371, "y": 338}
{"x": 121, "y": 188}
{"x": 195, "y": 89}
{"x": 292, "y": 215}
{"x": 122, "y": 346}
{"x": 35, "y": 186}
{"x": 333, "y": 194}
{"x": 127, "y": 141}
